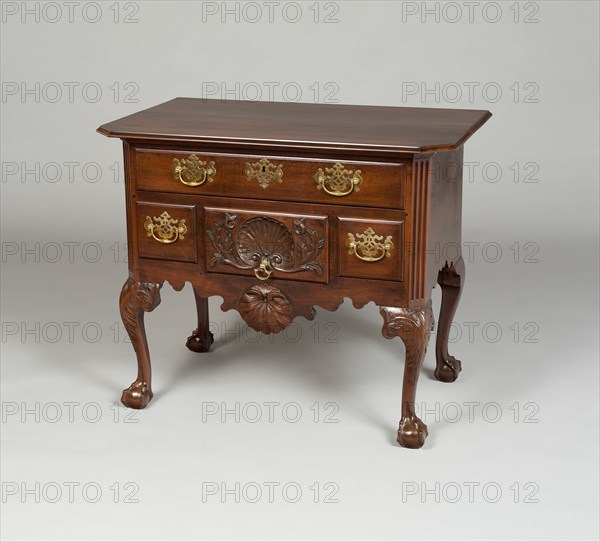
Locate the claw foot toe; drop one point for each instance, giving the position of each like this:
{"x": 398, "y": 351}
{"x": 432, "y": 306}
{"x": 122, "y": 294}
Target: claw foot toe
{"x": 137, "y": 395}
{"x": 448, "y": 371}
{"x": 412, "y": 432}
{"x": 200, "y": 342}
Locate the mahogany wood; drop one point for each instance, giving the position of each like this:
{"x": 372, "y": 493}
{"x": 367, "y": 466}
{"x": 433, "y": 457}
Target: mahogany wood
{"x": 384, "y": 184}
{"x": 136, "y": 298}
{"x": 389, "y": 267}
{"x": 201, "y": 339}
{"x": 233, "y": 236}
{"x": 355, "y": 127}
{"x": 274, "y": 252}
{"x": 451, "y": 279}
{"x": 184, "y": 249}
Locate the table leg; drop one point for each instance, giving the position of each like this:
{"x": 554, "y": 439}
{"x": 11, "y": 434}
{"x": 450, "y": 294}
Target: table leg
{"x": 451, "y": 279}
{"x": 201, "y": 339}
{"x": 413, "y": 327}
{"x": 137, "y": 298}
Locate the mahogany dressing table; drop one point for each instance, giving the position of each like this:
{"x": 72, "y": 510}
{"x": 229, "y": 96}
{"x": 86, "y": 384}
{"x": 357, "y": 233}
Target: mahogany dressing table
{"x": 277, "y": 207}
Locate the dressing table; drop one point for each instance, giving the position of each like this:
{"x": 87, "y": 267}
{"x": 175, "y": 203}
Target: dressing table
{"x": 278, "y": 207}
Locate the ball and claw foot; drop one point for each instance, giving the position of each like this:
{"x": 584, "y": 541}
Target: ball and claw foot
{"x": 137, "y": 395}
{"x": 200, "y": 342}
{"x": 412, "y": 432}
{"x": 448, "y": 370}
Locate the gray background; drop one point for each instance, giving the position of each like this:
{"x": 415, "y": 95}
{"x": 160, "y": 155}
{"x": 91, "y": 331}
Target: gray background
{"x": 522, "y": 418}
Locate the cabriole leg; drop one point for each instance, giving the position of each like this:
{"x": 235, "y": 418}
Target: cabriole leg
{"x": 413, "y": 327}
{"x": 136, "y": 299}
{"x": 201, "y": 339}
{"x": 451, "y": 279}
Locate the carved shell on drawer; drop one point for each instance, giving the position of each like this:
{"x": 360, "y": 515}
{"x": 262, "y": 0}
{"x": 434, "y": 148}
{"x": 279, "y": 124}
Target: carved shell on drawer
{"x": 246, "y": 245}
{"x": 265, "y": 308}
{"x": 264, "y": 237}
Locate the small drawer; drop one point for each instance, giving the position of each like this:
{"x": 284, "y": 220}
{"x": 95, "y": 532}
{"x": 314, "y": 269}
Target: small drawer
{"x": 167, "y": 232}
{"x": 266, "y": 245}
{"x": 338, "y": 182}
{"x": 371, "y": 249}
{"x": 176, "y": 171}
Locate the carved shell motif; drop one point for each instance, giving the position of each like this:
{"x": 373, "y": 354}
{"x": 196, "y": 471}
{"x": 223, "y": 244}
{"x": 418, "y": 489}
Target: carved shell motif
{"x": 249, "y": 244}
{"x": 264, "y": 237}
{"x": 266, "y": 309}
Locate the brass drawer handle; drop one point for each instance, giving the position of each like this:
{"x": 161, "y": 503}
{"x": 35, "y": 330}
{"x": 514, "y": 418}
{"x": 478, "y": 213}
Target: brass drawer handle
{"x": 192, "y": 171}
{"x": 264, "y": 172}
{"x": 263, "y": 271}
{"x": 368, "y": 246}
{"x": 338, "y": 181}
{"x": 165, "y": 229}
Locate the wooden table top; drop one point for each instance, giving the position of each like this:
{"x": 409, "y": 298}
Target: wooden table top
{"x": 399, "y": 129}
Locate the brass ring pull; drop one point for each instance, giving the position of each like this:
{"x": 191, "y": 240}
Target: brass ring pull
{"x": 338, "y": 181}
{"x": 193, "y": 171}
{"x": 368, "y": 246}
{"x": 263, "y": 272}
{"x": 165, "y": 229}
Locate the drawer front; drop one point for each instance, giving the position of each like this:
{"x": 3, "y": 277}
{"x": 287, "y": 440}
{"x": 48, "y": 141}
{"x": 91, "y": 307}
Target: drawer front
{"x": 266, "y": 245}
{"x": 167, "y": 232}
{"x": 367, "y": 184}
{"x": 371, "y": 249}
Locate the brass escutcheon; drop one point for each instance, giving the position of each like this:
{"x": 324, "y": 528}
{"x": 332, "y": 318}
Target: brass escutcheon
{"x": 368, "y": 246}
{"x": 338, "y": 181}
{"x": 165, "y": 229}
{"x": 193, "y": 171}
{"x": 264, "y": 172}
